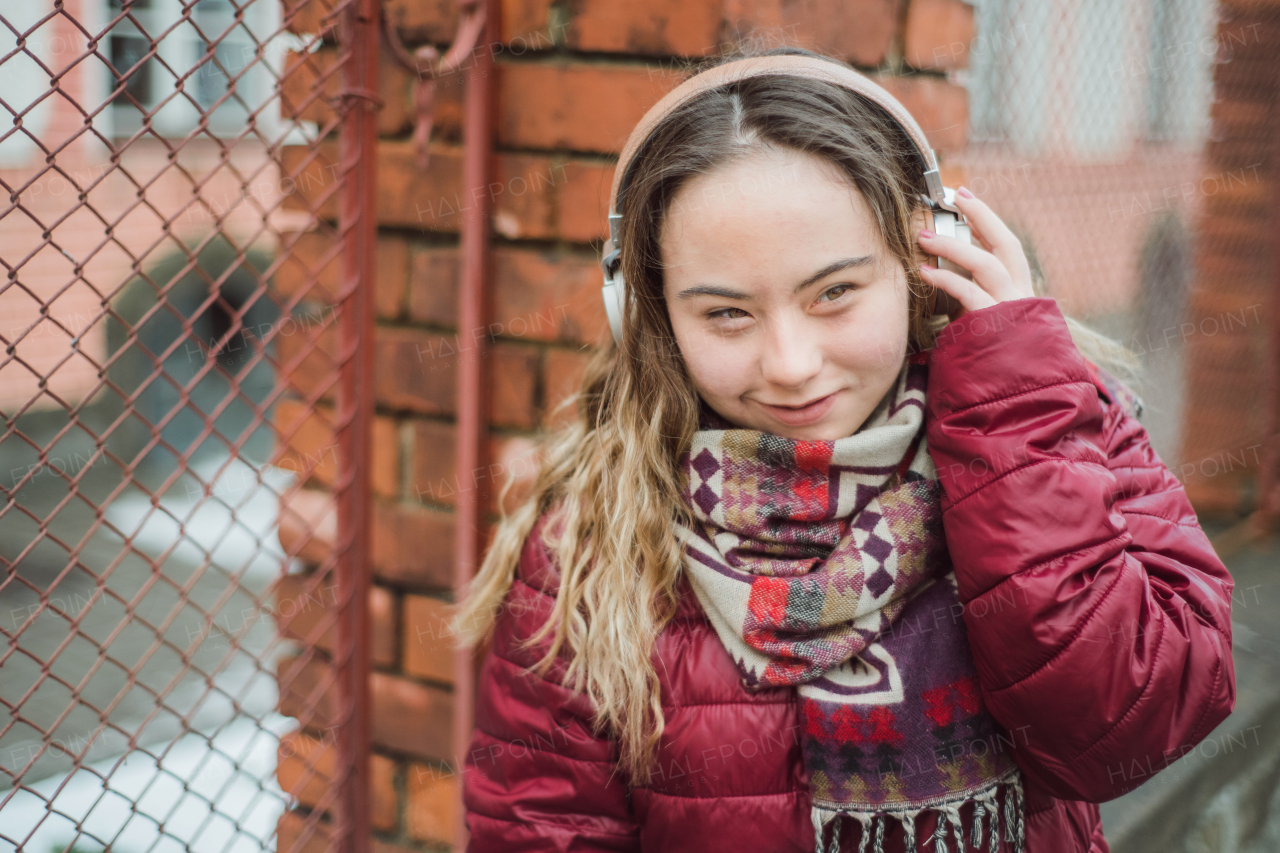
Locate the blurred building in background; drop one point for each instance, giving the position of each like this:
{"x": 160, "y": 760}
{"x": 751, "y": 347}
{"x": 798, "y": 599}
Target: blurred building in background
{"x": 178, "y": 515}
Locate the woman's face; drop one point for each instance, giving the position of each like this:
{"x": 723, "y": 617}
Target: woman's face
{"x": 789, "y": 310}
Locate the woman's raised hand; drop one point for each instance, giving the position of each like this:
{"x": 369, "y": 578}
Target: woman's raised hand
{"x": 998, "y": 264}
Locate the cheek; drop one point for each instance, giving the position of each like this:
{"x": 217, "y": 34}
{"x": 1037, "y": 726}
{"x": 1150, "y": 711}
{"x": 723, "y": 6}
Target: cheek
{"x": 717, "y": 370}
{"x": 875, "y": 340}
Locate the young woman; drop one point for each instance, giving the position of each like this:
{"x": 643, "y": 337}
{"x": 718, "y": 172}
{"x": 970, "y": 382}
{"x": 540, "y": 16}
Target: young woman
{"x": 816, "y": 568}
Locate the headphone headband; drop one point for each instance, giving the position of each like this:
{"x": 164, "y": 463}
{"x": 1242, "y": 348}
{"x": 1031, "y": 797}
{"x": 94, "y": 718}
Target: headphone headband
{"x": 755, "y": 66}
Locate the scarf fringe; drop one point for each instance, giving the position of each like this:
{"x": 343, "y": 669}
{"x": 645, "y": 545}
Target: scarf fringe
{"x": 949, "y": 824}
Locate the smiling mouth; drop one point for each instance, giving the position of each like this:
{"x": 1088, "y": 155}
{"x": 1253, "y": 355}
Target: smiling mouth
{"x": 801, "y": 406}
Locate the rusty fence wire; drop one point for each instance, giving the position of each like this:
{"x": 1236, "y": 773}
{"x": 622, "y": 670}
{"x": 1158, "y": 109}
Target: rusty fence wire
{"x": 182, "y": 423}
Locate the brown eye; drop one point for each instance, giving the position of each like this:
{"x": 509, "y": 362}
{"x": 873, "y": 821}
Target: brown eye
{"x": 718, "y": 314}
{"x": 838, "y": 290}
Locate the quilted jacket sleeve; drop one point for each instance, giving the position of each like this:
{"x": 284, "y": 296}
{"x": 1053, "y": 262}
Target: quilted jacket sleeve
{"x": 1097, "y": 610}
{"x": 536, "y": 778}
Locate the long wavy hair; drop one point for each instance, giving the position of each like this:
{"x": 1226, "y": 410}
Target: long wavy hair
{"x": 609, "y": 478}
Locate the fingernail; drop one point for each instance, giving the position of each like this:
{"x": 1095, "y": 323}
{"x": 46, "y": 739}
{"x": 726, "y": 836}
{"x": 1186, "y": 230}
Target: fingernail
{"x": 965, "y": 192}
{"x": 927, "y": 234}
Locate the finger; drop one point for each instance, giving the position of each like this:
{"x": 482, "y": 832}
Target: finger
{"x": 970, "y": 296}
{"x": 986, "y": 268}
{"x": 1000, "y": 240}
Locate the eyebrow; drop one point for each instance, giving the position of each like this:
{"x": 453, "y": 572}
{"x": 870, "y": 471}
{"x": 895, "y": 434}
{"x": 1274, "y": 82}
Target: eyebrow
{"x": 730, "y": 293}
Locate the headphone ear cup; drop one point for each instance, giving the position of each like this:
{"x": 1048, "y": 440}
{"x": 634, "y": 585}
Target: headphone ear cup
{"x": 948, "y": 224}
{"x": 615, "y": 297}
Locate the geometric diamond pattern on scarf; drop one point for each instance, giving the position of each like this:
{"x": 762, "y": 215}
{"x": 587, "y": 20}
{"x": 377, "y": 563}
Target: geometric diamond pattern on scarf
{"x": 804, "y": 555}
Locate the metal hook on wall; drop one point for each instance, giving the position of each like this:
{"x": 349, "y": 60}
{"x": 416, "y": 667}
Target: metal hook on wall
{"x": 427, "y": 64}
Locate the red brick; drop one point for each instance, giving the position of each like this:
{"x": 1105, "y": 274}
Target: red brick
{"x": 1233, "y": 235}
{"x": 305, "y": 442}
{"x": 308, "y": 524}
{"x": 434, "y": 796}
{"x": 433, "y": 467}
{"x": 521, "y": 191}
{"x": 1240, "y": 193}
{"x": 1231, "y": 153}
{"x": 537, "y": 295}
{"x": 1208, "y": 431}
{"x": 416, "y": 371}
{"x": 392, "y": 276}
{"x": 512, "y": 378}
{"x": 307, "y": 446}
{"x": 307, "y": 176}
{"x": 1221, "y": 270}
{"x": 300, "y": 833}
{"x": 437, "y": 21}
{"x": 548, "y": 296}
{"x": 562, "y": 376}
{"x": 302, "y": 681}
{"x": 653, "y": 28}
{"x": 308, "y": 363}
{"x": 428, "y": 650}
{"x": 307, "y": 613}
{"x": 432, "y": 475}
{"x": 310, "y": 268}
{"x": 384, "y": 472}
{"x": 575, "y": 107}
{"x": 940, "y": 108}
{"x": 584, "y": 201}
{"x": 1238, "y": 218}
{"x": 1245, "y": 310}
{"x": 1215, "y": 499}
{"x": 526, "y": 26}
{"x": 938, "y": 34}
{"x": 524, "y": 195}
{"x": 305, "y": 769}
{"x": 1241, "y": 119}
{"x": 433, "y": 285}
{"x": 1247, "y": 77}
{"x": 412, "y": 546}
{"x": 411, "y": 718}
{"x": 860, "y": 31}
{"x": 1214, "y": 348}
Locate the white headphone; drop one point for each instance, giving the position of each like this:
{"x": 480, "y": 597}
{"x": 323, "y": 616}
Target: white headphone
{"x": 942, "y": 216}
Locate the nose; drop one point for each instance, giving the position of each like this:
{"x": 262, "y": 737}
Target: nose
{"x": 791, "y": 354}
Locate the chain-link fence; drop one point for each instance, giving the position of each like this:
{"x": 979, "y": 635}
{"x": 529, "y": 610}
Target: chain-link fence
{"x": 180, "y": 487}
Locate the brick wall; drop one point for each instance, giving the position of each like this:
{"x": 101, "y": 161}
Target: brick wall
{"x": 573, "y": 79}
{"x": 1233, "y": 299}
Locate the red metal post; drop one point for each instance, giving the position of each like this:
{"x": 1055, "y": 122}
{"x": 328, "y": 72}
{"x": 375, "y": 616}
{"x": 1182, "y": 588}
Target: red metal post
{"x": 358, "y": 225}
{"x": 478, "y": 125}
{"x": 1268, "y": 502}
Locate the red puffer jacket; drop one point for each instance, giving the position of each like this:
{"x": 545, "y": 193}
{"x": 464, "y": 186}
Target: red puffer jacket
{"x": 1097, "y": 612}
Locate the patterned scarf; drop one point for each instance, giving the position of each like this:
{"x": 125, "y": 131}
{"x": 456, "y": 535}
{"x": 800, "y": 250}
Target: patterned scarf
{"x": 822, "y": 564}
